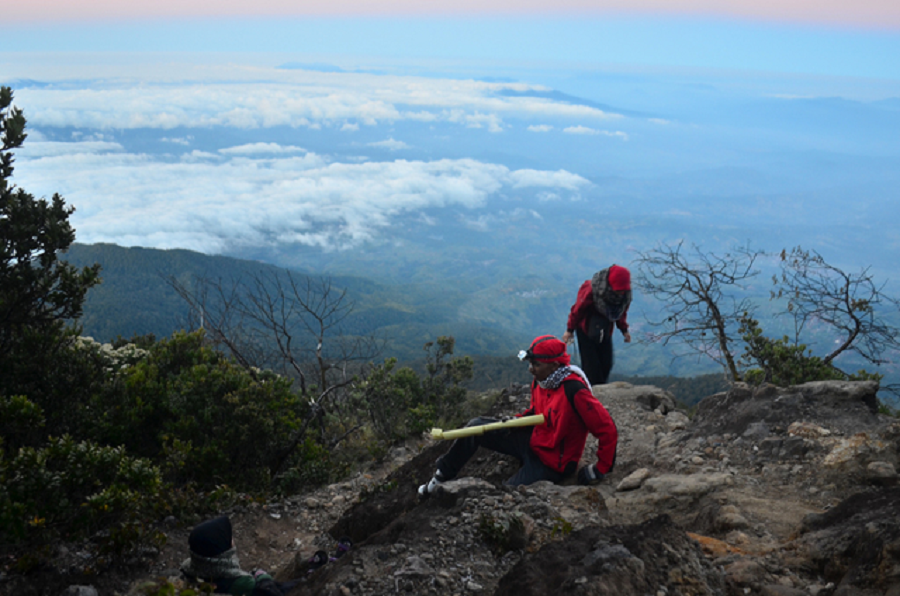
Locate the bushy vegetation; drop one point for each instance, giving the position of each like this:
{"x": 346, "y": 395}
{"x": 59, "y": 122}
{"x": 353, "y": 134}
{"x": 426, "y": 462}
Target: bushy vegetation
{"x": 164, "y": 428}
{"x": 784, "y": 363}
{"x": 100, "y": 441}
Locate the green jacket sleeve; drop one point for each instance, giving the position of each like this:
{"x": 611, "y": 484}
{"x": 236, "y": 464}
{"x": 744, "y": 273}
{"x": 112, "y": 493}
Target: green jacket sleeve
{"x": 243, "y": 586}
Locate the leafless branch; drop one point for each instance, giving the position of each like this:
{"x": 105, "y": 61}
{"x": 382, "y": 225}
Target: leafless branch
{"x": 692, "y": 285}
{"x": 852, "y": 304}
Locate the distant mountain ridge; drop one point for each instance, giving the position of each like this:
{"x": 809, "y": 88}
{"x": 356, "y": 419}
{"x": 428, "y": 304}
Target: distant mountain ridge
{"x": 135, "y": 298}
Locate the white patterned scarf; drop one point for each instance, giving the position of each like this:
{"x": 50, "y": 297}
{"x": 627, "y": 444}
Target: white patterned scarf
{"x": 224, "y": 566}
{"x": 556, "y": 377}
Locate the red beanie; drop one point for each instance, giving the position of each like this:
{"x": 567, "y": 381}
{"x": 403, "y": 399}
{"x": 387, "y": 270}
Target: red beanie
{"x": 547, "y": 348}
{"x": 619, "y": 278}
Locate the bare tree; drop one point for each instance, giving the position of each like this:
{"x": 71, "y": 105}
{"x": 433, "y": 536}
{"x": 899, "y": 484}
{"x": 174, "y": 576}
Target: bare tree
{"x": 295, "y": 325}
{"x": 216, "y": 307}
{"x": 698, "y": 311}
{"x": 852, "y": 304}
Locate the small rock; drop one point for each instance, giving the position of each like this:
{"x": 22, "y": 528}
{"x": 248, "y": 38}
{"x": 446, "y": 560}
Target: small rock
{"x": 694, "y": 485}
{"x": 881, "y": 472}
{"x": 737, "y": 538}
{"x": 677, "y": 420}
{"x": 80, "y": 591}
{"x": 729, "y": 518}
{"x": 807, "y": 430}
{"x": 756, "y": 431}
{"x": 633, "y": 480}
{"x": 781, "y": 590}
{"x": 850, "y": 449}
{"x": 744, "y": 572}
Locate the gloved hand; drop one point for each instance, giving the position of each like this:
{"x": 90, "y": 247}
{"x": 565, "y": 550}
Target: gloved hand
{"x": 589, "y": 475}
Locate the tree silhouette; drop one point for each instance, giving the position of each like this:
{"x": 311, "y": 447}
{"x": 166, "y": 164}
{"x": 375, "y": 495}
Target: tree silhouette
{"x": 38, "y": 291}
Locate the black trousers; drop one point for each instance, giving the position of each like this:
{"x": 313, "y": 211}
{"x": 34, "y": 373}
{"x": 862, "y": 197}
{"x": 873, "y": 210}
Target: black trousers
{"x": 509, "y": 441}
{"x": 596, "y": 357}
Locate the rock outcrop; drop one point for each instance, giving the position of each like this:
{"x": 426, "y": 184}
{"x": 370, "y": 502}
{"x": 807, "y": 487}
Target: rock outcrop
{"x": 765, "y": 491}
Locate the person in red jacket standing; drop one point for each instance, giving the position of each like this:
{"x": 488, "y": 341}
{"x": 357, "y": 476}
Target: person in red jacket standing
{"x": 602, "y": 304}
{"x": 550, "y": 451}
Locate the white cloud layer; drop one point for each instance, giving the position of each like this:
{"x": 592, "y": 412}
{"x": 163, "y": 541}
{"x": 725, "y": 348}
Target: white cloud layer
{"x": 55, "y": 148}
{"x": 585, "y": 130}
{"x": 390, "y": 144}
{"x": 270, "y": 97}
{"x": 261, "y": 149}
{"x": 259, "y": 195}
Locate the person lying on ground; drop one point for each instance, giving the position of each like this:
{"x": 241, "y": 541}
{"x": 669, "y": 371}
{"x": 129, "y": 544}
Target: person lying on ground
{"x": 214, "y": 559}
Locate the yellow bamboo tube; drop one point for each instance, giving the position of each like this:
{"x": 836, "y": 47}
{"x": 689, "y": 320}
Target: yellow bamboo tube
{"x": 471, "y": 431}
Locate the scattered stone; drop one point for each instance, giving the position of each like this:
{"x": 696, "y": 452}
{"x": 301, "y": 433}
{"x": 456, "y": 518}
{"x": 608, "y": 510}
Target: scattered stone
{"x": 80, "y": 591}
{"x": 856, "y": 447}
{"x": 415, "y": 566}
{"x": 648, "y": 397}
{"x": 677, "y": 420}
{"x": 881, "y": 472}
{"x": 744, "y": 572}
{"x": 729, "y": 518}
{"x": 693, "y": 485}
{"x": 808, "y": 430}
{"x": 633, "y": 480}
{"x": 756, "y": 431}
{"x": 780, "y": 590}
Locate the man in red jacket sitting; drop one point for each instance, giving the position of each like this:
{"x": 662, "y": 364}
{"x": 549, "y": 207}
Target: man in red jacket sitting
{"x": 550, "y": 451}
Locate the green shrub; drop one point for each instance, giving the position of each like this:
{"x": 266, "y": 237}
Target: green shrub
{"x": 392, "y": 402}
{"x": 399, "y": 404}
{"x": 21, "y": 422}
{"x": 57, "y": 373}
{"x": 168, "y": 587}
{"x": 202, "y": 417}
{"x": 442, "y": 383}
{"x": 783, "y": 363}
{"x": 71, "y": 490}
{"x": 314, "y": 466}
{"x": 504, "y": 532}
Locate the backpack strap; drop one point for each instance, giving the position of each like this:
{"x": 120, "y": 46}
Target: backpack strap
{"x": 571, "y": 387}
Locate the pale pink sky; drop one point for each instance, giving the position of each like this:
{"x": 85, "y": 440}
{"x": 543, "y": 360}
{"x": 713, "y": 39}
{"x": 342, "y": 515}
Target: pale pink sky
{"x": 875, "y": 14}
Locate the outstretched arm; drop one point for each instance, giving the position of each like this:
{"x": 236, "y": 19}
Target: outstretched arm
{"x": 600, "y": 424}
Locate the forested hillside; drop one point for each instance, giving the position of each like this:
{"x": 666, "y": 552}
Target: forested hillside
{"x": 137, "y": 298}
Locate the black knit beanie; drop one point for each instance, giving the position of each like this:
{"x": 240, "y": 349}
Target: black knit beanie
{"x": 211, "y": 538}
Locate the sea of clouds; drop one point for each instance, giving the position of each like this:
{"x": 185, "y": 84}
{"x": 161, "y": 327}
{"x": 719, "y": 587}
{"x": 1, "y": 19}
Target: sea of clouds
{"x": 150, "y": 159}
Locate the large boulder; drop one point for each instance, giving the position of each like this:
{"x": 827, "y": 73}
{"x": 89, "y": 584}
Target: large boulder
{"x": 855, "y": 545}
{"x": 651, "y": 558}
{"x": 843, "y": 406}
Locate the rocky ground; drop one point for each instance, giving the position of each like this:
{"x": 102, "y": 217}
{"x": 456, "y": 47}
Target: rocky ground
{"x": 768, "y": 491}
